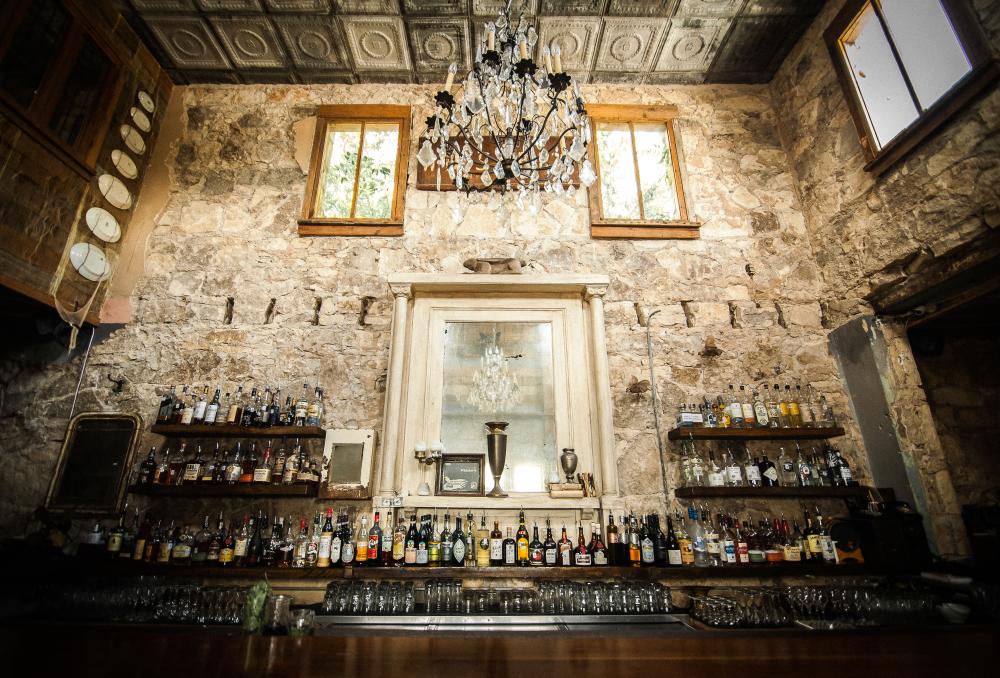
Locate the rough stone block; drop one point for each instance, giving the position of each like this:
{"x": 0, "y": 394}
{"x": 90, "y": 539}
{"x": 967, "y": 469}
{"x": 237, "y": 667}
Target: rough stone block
{"x": 805, "y": 315}
{"x": 706, "y": 313}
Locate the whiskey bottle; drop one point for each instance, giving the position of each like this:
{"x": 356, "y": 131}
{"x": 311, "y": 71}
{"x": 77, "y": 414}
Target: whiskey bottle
{"x": 434, "y": 545}
{"x": 301, "y": 407}
{"x": 523, "y": 556}
{"x": 200, "y": 407}
{"x": 206, "y": 475}
{"x": 509, "y": 549}
{"x": 147, "y": 469}
{"x": 181, "y": 553}
{"x": 215, "y": 541}
{"x": 248, "y": 465}
{"x": 482, "y": 544}
{"x": 634, "y": 543}
{"x": 549, "y": 545}
{"x": 749, "y": 420}
{"x": 581, "y": 556}
{"x": 212, "y": 409}
{"x": 315, "y": 408}
{"x": 458, "y": 544}
{"x": 192, "y": 470}
{"x": 278, "y": 469}
{"x": 227, "y": 551}
{"x": 166, "y": 406}
{"x": 348, "y": 552}
{"x": 162, "y": 476}
{"x": 536, "y": 551}
{"x": 684, "y": 542}
{"x": 262, "y": 472}
{"x": 325, "y": 541}
{"x": 264, "y": 409}
{"x": 222, "y": 412}
{"x": 187, "y": 409}
{"x": 235, "y": 413}
{"x": 565, "y": 548}
{"x": 249, "y": 410}
{"x": 234, "y": 467}
{"x": 165, "y": 545}
{"x": 598, "y": 551}
{"x": 614, "y": 545}
{"x": 274, "y": 411}
{"x": 199, "y": 548}
{"x": 242, "y": 541}
{"x": 673, "y": 545}
{"x": 410, "y": 551}
{"x": 446, "y": 541}
{"x": 496, "y": 545}
{"x": 151, "y": 546}
{"x": 129, "y": 539}
{"x": 116, "y": 536}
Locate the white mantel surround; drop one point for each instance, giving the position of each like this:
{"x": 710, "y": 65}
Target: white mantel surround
{"x": 577, "y": 298}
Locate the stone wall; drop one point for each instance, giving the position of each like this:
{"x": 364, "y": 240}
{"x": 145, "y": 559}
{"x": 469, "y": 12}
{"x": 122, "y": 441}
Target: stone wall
{"x": 229, "y": 230}
{"x": 871, "y": 233}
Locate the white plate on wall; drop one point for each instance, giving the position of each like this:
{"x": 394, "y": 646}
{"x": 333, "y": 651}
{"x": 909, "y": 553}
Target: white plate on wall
{"x": 132, "y": 139}
{"x": 90, "y": 261}
{"x": 146, "y": 101}
{"x": 124, "y": 163}
{"x": 114, "y": 191}
{"x": 103, "y": 224}
{"x": 140, "y": 119}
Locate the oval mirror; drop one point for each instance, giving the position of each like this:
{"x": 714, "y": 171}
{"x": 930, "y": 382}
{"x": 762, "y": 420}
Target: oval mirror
{"x": 103, "y": 224}
{"x": 124, "y": 164}
{"x": 133, "y": 139}
{"x": 90, "y": 261}
{"x": 114, "y": 191}
{"x": 140, "y": 119}
{"x": 146, "y": 101}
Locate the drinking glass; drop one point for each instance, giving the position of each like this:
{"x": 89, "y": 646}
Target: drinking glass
{"x": 301, "y": 623}
{"x": 276, "y": 615}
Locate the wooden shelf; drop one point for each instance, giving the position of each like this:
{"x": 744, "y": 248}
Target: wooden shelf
{"x": 308, "y": 490}
{"x": 703, "y": 433}
{"x": 772, "y": 492}
{"x": 209, "y": 431}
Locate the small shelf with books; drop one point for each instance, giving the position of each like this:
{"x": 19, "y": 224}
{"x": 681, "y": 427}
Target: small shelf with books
{"x": 301, "y": 490}
{"x": 708, "y": 433}
{"x": 229, "y": 431}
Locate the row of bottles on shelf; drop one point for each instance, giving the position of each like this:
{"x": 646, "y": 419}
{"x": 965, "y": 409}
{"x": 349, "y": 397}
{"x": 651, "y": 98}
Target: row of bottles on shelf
{"x": 258, "y": 409}
{"x": 229, "y": 467}
{"x": 699, "y": 540}
{"x": 760, "y": 407}
{"x": 813, "y": 469}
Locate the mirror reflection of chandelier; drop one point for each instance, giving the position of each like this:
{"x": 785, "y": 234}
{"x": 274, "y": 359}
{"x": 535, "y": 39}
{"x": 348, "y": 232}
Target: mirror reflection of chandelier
{"x": 494, "y": 387}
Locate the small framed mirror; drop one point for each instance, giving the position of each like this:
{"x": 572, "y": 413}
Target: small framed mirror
{"x": 347, "y": 464}
{"x": 94, "y": 464}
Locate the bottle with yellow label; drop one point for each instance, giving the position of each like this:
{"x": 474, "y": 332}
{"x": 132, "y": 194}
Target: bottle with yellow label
{"x": 482, "y": 544}
{"x": 522, "y": 541}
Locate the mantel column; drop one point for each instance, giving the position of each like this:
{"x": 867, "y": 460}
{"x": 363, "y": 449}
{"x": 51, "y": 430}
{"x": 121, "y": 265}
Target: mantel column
{"x": 594, "y": 294}
{"x": 394, "y": 388}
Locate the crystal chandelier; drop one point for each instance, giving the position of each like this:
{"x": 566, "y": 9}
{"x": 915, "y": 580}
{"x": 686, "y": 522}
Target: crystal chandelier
{"x": 494, "y": 388}
{"x": 514, "y": 126}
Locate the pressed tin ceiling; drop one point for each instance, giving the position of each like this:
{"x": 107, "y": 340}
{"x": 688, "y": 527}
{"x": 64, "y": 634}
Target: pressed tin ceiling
{"x": 359, "y": 41}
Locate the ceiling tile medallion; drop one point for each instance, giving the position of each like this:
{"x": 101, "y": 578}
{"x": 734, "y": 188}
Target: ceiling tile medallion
{"x": 163, "y": 5}
{"x": 491, "y": 8}
{"x": 691, "y": 44}
{"x": 439, "y": 42}
{"x": 311, "y": 43}
{"x": 564, "y": 7}
{"x": 577, "y": 38}
{"x": 229, "y": 5}
{"x": 436, "y": 7}
{"x": 366, "y": 6}
{"x": 313, "y": 6}
{"x": 377, "y": 43}
{"x": 642, "y": 7}
{"x": 188, "y": 42}
{"x": 629, "y": 44}
{"x": 250, "y": 41}
{"x": 709, "y": 7}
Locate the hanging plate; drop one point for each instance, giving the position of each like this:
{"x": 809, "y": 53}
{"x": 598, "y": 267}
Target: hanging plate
{"x": 114, "y": 191}
{"x": 146, "y": 101}
{"x": 133, "y": 139}
{"x": 124, "y": 164}
{"x": 103, "y": 224}
{"x": 90, "y": 261}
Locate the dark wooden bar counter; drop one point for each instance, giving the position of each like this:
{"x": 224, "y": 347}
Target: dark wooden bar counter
{"x": 53, "y": 650}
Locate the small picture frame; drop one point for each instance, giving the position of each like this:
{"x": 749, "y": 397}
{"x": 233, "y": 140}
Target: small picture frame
{"x": 347, "y": 464}
{"x": 460, "y": 475}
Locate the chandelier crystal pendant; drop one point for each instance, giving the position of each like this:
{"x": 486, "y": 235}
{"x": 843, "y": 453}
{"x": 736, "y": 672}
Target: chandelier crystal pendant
{"x": 494, "y": 387}
{"x": 513, "y": 126}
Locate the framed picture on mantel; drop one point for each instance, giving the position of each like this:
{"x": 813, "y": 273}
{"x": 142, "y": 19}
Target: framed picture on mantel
{"x": 460, "y": 475}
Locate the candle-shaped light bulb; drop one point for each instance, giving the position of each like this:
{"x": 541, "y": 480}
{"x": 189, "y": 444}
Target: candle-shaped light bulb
{"x": 451, "y": 77}
{"x": 491, "y": 36}
{"x": 547, "y": 54}
{"x": 557, "y": 58}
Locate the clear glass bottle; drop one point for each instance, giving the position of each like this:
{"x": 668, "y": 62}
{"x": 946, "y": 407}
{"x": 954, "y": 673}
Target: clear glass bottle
{"x": 807, "y": 474}
{"x": 783, "y": 419}
{"x": 734, "y": 474}
{"x": 746, "y": 405}
{"x": 716, "y": 474}
{"x": 752, "y": 471}
{"x": 794, "y": 413}
{"x": 788, "y": 473}
{"x": 735, "y": 409}
{"x": 773, "y": 411}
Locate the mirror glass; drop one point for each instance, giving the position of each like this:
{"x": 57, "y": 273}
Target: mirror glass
{"x": 501, "y": 372}
{"x": 345, "y": 468}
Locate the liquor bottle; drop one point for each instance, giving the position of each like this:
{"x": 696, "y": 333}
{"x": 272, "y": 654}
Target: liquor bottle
{"x": 581, "y": 556}
{"x": 813, "y": 548}
{"x": 188, "y": 402}
{"x": 734, "y": 474}
{"x": 348, "y": 550}
{"x": 806, "y": 472}
{"x": 181, "y": 553}
{"x": 794, "y": 412}
{"x": 166, "y": 544}
{"x": 262, "y": 471}
{"x": 795, "y": 540}
{"x": 410, "y": 548}
{"x": 459, "y": 545}
{"x": 434, "y": 545}
{"x": 361, "y": 543}
{"x": 659, "y": 539}
{"x": 385, "y": 547}
{"x": 791, "y": 552}
{"x": 746, "y": 405}
{"x": 768, "y": 472}
{"x": 207, "y": 473}
{"x": 151, "y": 547}
{"x": 301, "y": 407}
{"x": 760, "y": 409}
{"x": 274, "y": 410}
{"x": 446, "y": 541}
{"x": 783, "y": 418}
{"x": 399, "y": 543}
{"x": 116, "y": 536}
{"x": 290, "y": 473}
{"x": 162, "y": 475}
{"x": 177, "y": 407}
{"x": 256, "y": 545}
{"x": 482, "y": 544}
{"x": 375, "y": 542}
{"x": 314, "y": 411}
{"x": 248, "y": 465}
{"x": 712, "y": 545}
{"x": 697, "y": 536}
{"x": 634, "y": 543}
{"x": 312, "y": 545}
{"x": 598, "y": 551}
{"x": 263, "y": 409}
{"x": 192, "y": 469}
{"x": 755, "y": 550}
{"x": 727, "y": 541}
{"x": 773, "y": 553}
{"x": 212, "y": 409}
{"x": 787, "y": 470}
{"x": 166, "y": 406}
{"x": 301, "y": 545}
{"x": 242, "y": 541}
{"x": 826, "y": 545}
{"x": 716, "y": 474}
{"x": 673, "y": 545}
{"x": 844, "y": 470}
{"x": 550, "y": 549}
{"x": 234, "y": 467}
{"x": 215, "y": 541}
{"x": 523, "y": 557}
{"x": 199, "y": 549}
{"x": 129, "y": 538}
{"x": 740, "y": 541}
{"x": 614, "y": 543}
{"x": 278, "y": 468}
{"x": 175, "y": 473}
{"x": 647, "y": 553}
{"x": 325, "y": 541}
{"x": 773, "y": 411}
{"x": 735, "y": 409}
{"x": 423, "y": 540}
{"x": 271, "y": 545}
{"x": 470, "y": 539}
{"x": 509, "y": 549}
{"x": 228, "y": 549}
{"x": 752, "y": 471}
{"x": 536, "y": 550}
{"x": 725, "y": 420}
{"x": 235, "y": 412}
{"x": 200, "y": 407}
{"x": 221, "y": 411}
{"x": 496, "y": 546}
{"x": 684, "y": 542}
{"x": 147, "y": 469}
{"x": 565, "y": 548}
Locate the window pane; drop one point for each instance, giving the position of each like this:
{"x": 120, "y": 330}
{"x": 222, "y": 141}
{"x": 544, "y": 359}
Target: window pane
{"x": 928, "y": 46}
{"x": 656, "y": 172}
{"x": 78, "y": 98}
{"x": 880, "y": 84}
{"x": 31, "y": 50}
{"x": 378, "y": 171}
{"x": 614, "y": 153}
{"x": 340, "y": 160}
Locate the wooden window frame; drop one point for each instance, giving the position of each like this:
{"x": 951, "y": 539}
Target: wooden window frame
{"x": 82, "y": 156}
{"x": 309, "y": 224}
{"x": 984, "y": 71}
{"x": 682, "y": 228}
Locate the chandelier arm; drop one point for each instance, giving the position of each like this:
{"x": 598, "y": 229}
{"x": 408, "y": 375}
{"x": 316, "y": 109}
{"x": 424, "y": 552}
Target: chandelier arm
{"x": 541, "y": 128}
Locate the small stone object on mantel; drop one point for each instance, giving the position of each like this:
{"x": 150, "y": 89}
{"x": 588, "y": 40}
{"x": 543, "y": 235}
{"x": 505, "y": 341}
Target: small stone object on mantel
{"x": 494, "y": 265}
{"x": 565, "y": 490}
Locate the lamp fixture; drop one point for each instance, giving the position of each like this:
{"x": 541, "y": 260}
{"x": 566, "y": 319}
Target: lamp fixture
{"x": 514, "y": 126}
